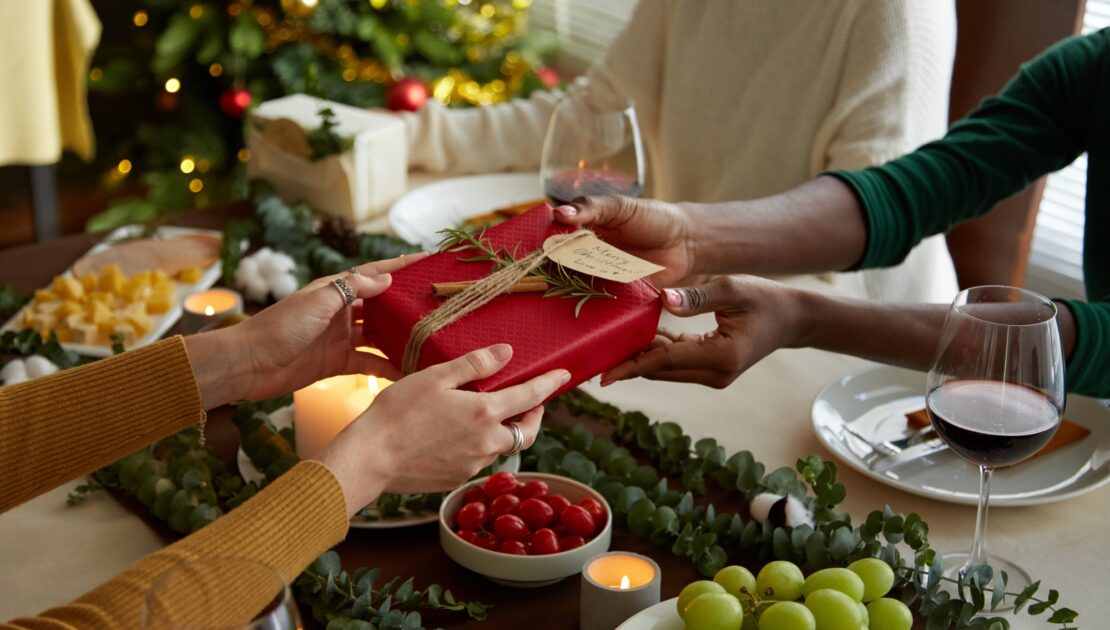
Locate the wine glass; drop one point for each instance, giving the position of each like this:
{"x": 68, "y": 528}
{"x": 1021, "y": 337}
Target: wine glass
{"x": 995, "y": 394}
{"x": 220, "y": 593}
{"x": 592, "y": 147}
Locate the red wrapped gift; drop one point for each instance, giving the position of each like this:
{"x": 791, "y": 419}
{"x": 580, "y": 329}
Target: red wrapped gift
{"x": 543, "y": 331}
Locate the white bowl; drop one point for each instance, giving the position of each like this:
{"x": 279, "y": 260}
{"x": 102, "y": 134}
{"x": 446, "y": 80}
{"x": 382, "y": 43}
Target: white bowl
{"x": 524, "y": 571}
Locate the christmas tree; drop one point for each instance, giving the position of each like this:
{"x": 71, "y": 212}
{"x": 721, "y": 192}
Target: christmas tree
{"x": 172, "y": 79}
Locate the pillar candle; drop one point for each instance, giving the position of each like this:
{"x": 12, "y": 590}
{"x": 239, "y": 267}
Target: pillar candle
{"x": 615, "y": 586}
{"x": 326, "y": 407}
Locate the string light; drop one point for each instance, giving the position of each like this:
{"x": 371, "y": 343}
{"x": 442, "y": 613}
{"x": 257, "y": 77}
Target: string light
{"x": 196, "y": 11}
{"x": 203, "y": 166}
{"x": 187, "y": 165}
{"x": 309, "y": 3}
{"x": 196, "y": 185}
{"x": 244, "y": 154}
{"x": 140, "y": 18}
{"x": 215, "y": 69}
{"x": 96, "y": 74}
{"x": 173, "y": 84}
{"x": 378, "y": 4}
{"x": 124, "y": 166}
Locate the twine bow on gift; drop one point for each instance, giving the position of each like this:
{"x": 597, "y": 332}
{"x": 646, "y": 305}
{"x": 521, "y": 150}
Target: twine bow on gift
{"x": 476, "y": 296}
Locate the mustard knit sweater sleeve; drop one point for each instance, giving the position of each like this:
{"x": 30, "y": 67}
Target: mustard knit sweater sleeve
{"x": 55, "y": 428}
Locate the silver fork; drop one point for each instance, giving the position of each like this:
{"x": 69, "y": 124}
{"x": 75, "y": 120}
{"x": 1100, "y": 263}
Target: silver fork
{"x": 888, "y": 448}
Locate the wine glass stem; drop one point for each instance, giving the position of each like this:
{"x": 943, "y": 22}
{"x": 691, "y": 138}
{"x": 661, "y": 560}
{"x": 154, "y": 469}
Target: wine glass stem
{"x": 978, "y": 555}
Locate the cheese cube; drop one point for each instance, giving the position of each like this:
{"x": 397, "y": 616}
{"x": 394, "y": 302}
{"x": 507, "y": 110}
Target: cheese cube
{"x": 64, "y": 335}
{"x": 126, "y": 331}
{"x": 112, "y": 279}
{"x": 136, "y": 315}
{"x": 100, "y": 296}
{"x": 71, "y": 288}
{"x": 45, "y": 295}
{"x": 75, "y": 320}
{"x": 160, "y": 276}
{"x": 136, "y": 291}
{"x": 48, "y": 308}
{"x": 89, "y": 282}
{"x": 190, "y": 275}
{"x": 70, "y": 307}
{"x": 165, "y": 288}
{"x": 43, "y": 322}
{"x": 86, "y": 333}
{"x": 28, "y": 317}
{"x": 159, "y": 303}
{"x": 99, "y": 313}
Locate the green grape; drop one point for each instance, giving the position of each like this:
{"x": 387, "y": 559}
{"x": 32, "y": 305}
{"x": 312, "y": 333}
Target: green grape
{"x": 692, "y": 590}
{"x": 889, "y": 614}
{"x": 864, "y": 614}
{"x": 787, "y": 616}
{"x": 841, "y": 580}
{"x": 834, "y": 610}
{"x": 779, "y": 580}
{"x": 736, "y": 579}
{"x": 714, "y": 611}
{"x": 877, "y": 577}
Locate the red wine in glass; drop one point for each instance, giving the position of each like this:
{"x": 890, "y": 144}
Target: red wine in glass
{"x": 992, "y": 423}
{"x": 565, "y": 186}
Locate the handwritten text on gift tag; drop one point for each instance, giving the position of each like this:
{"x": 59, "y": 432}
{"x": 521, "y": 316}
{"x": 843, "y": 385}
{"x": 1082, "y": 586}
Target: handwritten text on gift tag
{"x": 590, "y": 255}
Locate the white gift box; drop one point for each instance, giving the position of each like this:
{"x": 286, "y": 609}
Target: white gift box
{"x": 357, "y": 184}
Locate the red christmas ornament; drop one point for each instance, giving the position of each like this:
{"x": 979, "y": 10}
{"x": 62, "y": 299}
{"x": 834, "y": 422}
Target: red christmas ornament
{"x": 235, "y": 102}
{"x": 408, "y": 94}
{"x": 549, "y": 76}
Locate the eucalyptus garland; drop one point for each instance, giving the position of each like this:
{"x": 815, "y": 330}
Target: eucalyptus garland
{"x": 11, "y": 301}
{"x": 641, "y": 499}
{"x": 291, "y": 229}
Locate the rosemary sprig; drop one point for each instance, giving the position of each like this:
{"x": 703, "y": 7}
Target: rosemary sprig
{"x": 563, "y": 282}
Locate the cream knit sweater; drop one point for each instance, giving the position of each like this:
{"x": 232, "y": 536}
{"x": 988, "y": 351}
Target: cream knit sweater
{"x": 739, "y": 99}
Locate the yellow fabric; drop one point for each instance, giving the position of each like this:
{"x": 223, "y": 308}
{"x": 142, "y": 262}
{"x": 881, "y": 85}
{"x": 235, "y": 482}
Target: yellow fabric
{"x": 57, "y": 427}
{"x": 47, "y": 48}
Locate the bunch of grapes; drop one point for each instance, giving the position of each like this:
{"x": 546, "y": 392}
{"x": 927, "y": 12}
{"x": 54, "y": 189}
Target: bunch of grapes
{"x": 781, "y": 598}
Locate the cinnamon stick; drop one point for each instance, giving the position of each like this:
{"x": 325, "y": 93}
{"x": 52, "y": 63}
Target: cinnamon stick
{"x": 527, "y": 284}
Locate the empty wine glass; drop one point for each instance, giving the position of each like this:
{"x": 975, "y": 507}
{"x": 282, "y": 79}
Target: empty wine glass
{"x": 592, "y": 147}
{"x": 995, "y": 394}
{"x": 220, "y": 593}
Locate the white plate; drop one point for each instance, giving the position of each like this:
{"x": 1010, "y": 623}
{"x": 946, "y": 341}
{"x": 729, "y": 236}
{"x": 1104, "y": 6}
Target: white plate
{"x": 161, "y": 323}
{"x": 418, "y": 216}
{"x": 662, "y": 616}
{"x": 283, "y": 418}
{"x": 875, "y": 401}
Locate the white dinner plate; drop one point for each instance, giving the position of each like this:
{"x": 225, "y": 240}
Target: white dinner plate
{"x": 160, "y": 323}
{"x": 874, "y": 401}
{"x": 283, "y": 418}
{"x": 662, "y": 616}
{"x": 419, "y": 215}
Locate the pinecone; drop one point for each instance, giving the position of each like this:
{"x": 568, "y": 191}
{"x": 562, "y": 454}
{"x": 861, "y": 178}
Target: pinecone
{"x": 339, "y": 234}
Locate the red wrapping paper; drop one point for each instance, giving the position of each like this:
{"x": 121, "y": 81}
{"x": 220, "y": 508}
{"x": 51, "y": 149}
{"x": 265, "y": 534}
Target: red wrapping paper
{"x": 543, "y": 332}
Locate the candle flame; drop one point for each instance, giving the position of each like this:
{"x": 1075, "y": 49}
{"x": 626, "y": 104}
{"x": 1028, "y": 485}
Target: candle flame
{"x": 209, "y": 310}
{"x": 624, "y": 583}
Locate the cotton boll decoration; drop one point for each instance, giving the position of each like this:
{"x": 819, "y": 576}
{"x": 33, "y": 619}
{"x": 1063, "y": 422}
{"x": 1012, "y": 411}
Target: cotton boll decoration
{"x": 13, "y": 372}
{"x": 265, "y": 273}
{"x": 38, "y": 366}
{"x": 19, "y": 370}
{"x": 780, "y": 510}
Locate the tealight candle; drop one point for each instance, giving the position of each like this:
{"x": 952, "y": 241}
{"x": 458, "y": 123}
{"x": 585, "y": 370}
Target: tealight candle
{"x": 615, "y": 586}
{"x": 323, "y": 409}
{"x": 206, "y": 307}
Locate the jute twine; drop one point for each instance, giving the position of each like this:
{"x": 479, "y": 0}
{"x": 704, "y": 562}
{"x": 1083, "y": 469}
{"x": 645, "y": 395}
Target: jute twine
{"x": 474, "y": 297}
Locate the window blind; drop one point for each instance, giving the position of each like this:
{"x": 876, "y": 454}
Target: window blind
{"x": 584, "y": 27}
{"x": 1056, "y": 259}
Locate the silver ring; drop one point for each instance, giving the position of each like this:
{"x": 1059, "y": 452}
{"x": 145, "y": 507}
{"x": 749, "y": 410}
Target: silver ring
{"x": 345, "y": 290}
{"x": 518, "y": 439}
{"x": 354, "y": 271}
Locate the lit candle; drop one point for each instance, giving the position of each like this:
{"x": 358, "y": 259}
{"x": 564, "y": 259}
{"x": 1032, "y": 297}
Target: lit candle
{"x": 615, "y": 586}
{"x": 207, "y": 307}
{"x": 323, "y": 409}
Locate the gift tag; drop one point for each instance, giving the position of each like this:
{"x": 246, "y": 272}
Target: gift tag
{"x": 288, "y": 136}
{"x": 592, "y": 256}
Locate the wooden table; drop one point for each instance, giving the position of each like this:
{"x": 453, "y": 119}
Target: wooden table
{"x": 51, "y": 553}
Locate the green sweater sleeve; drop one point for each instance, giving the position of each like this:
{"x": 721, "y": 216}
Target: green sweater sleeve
{"x": 1041, "y": 121}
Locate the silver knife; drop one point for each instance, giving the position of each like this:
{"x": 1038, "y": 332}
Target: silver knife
{"x": 913, "y": 453}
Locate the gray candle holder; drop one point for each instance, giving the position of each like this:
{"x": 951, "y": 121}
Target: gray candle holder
{"x": 604, "y": 606}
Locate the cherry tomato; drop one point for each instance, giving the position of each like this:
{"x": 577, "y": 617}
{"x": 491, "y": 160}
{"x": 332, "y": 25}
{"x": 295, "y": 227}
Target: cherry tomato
{"x": 577, "y": 521}
{"x": 594, "y": 507}
{"x": 468, "y": 536}
{"x": 510, "y": 527}
{"x": 499, "y": 484}
{"x": 535, "y": 489}
{"x": 536, "y": 513}
{"x": 473, "y": 516}
{"x": 472, "y": 494}
{"x": 487, "y": 541}
{"x": 557, "y": 502}
{"x": 514, "y": 547}
{"x": 504, "y": 504}
{"x": 570, "y": 542}
{"x": 544, "y": 542}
